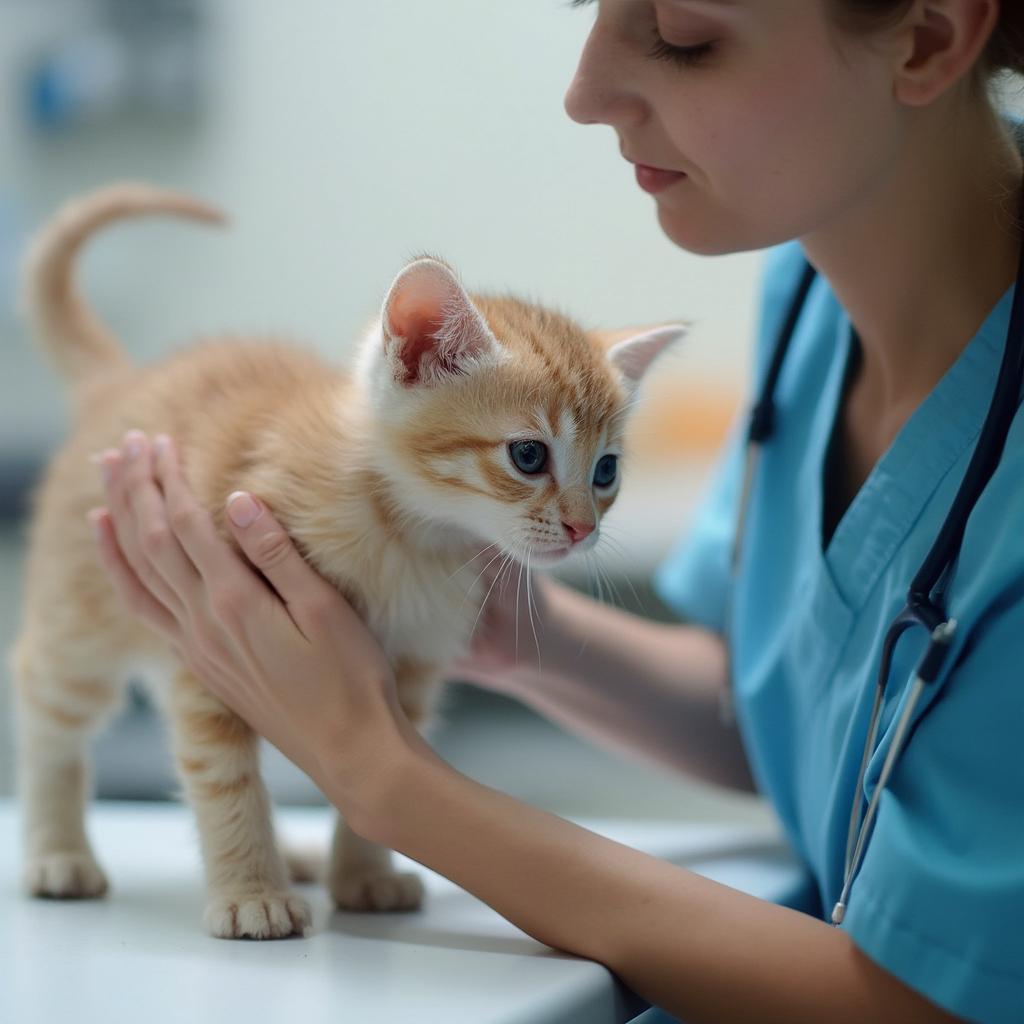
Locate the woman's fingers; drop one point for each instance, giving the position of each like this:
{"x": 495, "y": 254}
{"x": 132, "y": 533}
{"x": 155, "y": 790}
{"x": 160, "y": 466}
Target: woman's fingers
{"x": 190, "y": 523}
{"x": 126, "y": 528}
{"x": 234, "y": 589}
{"x": 307, "y": 595}
{"x": 168, "y": 571}
{"x": 127, "y": 584}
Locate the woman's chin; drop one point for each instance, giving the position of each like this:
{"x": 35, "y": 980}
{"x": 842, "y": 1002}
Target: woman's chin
{"x": 685, "y": 232}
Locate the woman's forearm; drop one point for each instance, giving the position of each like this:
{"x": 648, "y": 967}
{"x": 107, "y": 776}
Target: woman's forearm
{"x": 701, "y": 950}
{"x": 637, "y": 686}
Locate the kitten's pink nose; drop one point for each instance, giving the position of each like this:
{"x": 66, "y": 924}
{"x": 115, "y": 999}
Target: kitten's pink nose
{"x": 579, "y": 531}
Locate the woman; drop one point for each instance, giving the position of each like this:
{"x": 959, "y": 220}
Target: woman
{"x": 863, "y": 130}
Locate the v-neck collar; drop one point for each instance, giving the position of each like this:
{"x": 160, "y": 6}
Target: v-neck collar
{"x": 879, "y": 517}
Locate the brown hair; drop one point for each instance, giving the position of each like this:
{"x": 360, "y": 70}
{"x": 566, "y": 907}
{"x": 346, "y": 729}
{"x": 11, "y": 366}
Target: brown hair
{"x": 1005, "y": 49}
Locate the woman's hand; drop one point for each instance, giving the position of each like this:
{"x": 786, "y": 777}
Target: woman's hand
{"x": 295, "y": 661}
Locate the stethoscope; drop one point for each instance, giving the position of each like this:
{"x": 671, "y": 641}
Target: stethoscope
{"x": 925, "y": 605}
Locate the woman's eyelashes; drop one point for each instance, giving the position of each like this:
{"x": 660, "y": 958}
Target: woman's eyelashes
{"x": 681, "y": 56}
{"x": 661, "y": 49}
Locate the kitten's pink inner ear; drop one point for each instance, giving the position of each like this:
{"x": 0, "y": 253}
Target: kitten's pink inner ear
{"x": 415, "y": 315}
{"x": 431, "y": 329}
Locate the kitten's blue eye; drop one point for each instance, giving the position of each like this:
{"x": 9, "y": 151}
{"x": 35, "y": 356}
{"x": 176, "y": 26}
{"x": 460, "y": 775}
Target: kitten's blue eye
{"x": 604, "y": 474}
{"x": 528, "y": 456}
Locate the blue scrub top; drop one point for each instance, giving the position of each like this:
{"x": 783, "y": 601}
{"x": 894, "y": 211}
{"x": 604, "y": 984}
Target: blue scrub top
{"x": 939, "y": 899}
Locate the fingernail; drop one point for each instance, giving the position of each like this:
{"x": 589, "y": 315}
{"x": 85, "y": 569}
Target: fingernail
{"x": 133, "y": 442}
{"x": 109, "y": 461}
{"x": 94, "y": 515}
{"x": 242, "y": 509}
{"x": 161, "y": 443}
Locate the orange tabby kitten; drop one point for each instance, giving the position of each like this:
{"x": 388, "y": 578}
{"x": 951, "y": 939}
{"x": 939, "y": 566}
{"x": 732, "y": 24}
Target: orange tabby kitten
{"x": 472, "y": 425}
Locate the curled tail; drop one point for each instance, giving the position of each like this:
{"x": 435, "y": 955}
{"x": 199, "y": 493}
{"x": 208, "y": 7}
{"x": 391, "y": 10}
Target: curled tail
{"x": 75, "y": 339}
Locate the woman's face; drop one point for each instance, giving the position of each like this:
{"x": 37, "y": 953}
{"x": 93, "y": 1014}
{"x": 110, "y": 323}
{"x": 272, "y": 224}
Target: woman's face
{"x": 776, "y": 123}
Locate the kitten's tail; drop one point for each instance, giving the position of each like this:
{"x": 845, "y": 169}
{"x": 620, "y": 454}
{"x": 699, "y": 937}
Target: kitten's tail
{"x": 73, "y": 336}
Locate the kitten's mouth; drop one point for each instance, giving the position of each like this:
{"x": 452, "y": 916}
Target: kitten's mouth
{"x": 549, "y": 556}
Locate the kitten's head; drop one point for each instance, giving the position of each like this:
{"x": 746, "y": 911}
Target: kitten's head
{"x": 498, "y": 416}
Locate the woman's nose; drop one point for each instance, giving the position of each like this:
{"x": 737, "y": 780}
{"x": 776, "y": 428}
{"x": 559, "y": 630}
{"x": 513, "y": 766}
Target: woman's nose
{"x": 599, "y": 91}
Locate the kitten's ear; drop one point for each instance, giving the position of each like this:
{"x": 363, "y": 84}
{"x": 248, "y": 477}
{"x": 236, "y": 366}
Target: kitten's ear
{"x": 633, "y": 355}
{"x": 431, "y": 329}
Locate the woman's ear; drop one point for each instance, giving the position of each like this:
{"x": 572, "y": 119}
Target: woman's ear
{"x": 940, "y": 41}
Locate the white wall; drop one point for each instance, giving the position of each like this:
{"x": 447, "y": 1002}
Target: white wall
{"x": 342, "y": 138}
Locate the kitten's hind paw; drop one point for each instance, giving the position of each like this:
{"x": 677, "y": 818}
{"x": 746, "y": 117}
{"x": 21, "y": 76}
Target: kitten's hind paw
{"x": 69, "y": 875}
{"x": 376, "y": 890}
{"x": 259, "y": 915}
{"x": 304, "y": 863}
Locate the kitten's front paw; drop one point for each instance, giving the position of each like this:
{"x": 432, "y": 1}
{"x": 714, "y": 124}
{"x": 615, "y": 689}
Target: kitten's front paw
{"x": 259, "y": 915}
{"x": 377, "y": 890}
{"x": 71, "y": 875}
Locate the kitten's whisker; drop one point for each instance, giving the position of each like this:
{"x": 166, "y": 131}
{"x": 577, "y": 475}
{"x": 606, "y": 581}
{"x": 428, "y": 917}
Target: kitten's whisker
{"x": 612, "y": 589}
{"x": 483, "y": 603}
{"x": 529, "y": 607}
{"x": 586, "y": 563}
{"x": 597, "y": 577}
{"x": 469, "y": 589}
{"x": 641, "y": 604}
{"x": 597, "y": 593}
{"x": 490, "y": 562}
{"x": 472, "y": 558}
{"x": 519, "y": 583}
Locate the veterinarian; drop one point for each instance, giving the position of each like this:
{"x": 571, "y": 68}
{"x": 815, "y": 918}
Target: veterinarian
{"x": 857, "y": 138}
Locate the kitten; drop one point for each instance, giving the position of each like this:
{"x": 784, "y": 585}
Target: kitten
{"x": 472, "y": 425}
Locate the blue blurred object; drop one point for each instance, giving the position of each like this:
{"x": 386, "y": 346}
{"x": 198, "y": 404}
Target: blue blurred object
{"x": 141, "y": 56}
{"x": 80, "y": 81}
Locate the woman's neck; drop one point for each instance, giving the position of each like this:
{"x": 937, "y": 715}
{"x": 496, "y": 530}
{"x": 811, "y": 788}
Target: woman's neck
{"x": 921, "y": 258}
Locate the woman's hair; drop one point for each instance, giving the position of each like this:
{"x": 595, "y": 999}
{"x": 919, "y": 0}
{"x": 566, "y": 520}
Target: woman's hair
{"x": 1005, "y": 49}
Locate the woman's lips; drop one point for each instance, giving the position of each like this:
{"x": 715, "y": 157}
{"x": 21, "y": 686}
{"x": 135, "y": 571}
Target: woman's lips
{"x": 654, "y": 179}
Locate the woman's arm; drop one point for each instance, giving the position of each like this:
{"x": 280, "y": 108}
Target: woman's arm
{"x": 701, "y": 950}
{"x": 648, "y": 689}
{"x": 298, "y": 664}
{"x": 640, "y": 687}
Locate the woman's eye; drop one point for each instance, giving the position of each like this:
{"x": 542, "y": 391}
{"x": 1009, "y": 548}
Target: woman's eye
{"x": 684, "y": 56}
{"x": 528, "y": 456}
{"x": 607, "y": 467}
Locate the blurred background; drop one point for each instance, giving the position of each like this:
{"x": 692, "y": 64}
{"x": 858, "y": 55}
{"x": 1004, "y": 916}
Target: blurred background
{"x": 342, "y": 141}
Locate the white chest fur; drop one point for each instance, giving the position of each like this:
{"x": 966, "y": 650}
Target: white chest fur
{"x": 419, "y": 605}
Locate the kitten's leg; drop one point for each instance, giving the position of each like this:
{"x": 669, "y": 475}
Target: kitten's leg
{"x": 360, "y": 875}
{"x": 217, "y": 757}
{"x": 304, "y": 863}
{"x": 57, "y": 713}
